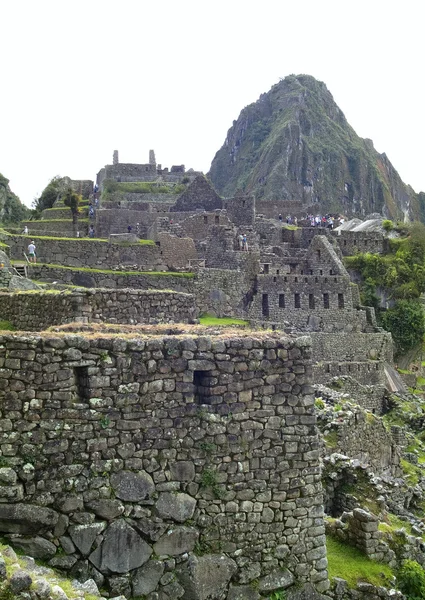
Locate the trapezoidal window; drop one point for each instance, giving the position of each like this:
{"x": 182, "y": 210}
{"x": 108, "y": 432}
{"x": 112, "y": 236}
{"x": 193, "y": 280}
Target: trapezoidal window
{"x": 243, "y": 202}
{"x": 217, "y": 219}
{"x": 203, "y": 382}
{"x": 266, "y": 268}
{"x": 311, "y": 303}
{"x": 265, "y": 305}
{"x": 340, "y": 300}
{"x": 325, "y": 300}
{"x": 205, "y": 219}
{"x": 297, "y": 301}
{"x": 281, "y": 300}
{"x": 82, "y": 382}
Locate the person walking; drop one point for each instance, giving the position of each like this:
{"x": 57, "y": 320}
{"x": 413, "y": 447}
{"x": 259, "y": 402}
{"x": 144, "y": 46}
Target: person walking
{"x": 31, "y": 253}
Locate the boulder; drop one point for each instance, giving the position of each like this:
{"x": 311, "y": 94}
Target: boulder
{"x": 26, "y": 518}
{"x": 106, "y": 509}
{"x": 176, "y": 541}
{"x": 19, "y": 581}
{"x": 276, "y": 580}
{"x": 37, "y": 547}
{"x": 132, "y": 487}
{"x": 146, "y": 579}
{"x": 206, "y": 577}
{"x": 121, "y": 551}
{"x": 179, "y": 507}
{"x": 83, "y": 536}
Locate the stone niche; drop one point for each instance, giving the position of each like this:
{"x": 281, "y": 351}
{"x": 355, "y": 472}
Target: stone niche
{"x": 172, "y": 460}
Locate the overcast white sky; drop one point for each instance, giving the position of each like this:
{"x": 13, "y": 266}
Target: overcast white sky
{"x": 80, "y": 78}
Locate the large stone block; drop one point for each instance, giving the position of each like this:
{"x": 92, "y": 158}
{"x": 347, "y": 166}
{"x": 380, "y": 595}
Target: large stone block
{"x": 26, "y": 518}
{"x": 176, "y": 541}
{"x": 132, "y": 487}
{"x": 206, "y": 577}
{"x": 179, "y": 507}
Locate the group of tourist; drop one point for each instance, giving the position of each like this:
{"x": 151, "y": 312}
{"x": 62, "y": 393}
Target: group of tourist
{"x": 243, "y": 242}
{"x": 289, "y": 220}
{"x": 327, "y": 221}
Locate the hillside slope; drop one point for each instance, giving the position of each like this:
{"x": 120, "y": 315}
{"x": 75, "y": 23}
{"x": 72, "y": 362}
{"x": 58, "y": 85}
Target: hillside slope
{"x": 295, "y": 144}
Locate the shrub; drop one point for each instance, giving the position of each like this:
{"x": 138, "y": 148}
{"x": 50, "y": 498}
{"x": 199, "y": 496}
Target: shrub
{"x": 406, "y": 323}
{"x": 411, "y": 580}
{"x": 388, "y": 225}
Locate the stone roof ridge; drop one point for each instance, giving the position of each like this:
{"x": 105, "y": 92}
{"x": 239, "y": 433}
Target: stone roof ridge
{"x": 321, "y": 244}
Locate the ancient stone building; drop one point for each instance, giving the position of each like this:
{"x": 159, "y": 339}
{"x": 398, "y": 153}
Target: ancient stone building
{"x": 194, "y": 455}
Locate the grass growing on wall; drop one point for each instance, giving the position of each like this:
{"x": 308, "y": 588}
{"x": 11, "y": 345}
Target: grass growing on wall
{"x": 353, "y": 566}
{"x": 6, "y": 326}
{"x": 207, "y": 319}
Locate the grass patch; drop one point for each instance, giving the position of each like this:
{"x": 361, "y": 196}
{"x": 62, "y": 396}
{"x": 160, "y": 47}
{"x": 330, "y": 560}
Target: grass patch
{"x": 353, "y": 566}
{"x": 55, "y": 221}
{"x": 6, "y": 326}
{"x": 86, "y": 239}
{"x": 141, "y": 187}
{"x": 291, "y": 227}
{"x": 331, "y": 439}
{"x": 207, "y": 319}
{"x": 185, "y": 275}
{"x": 412, "y": 472}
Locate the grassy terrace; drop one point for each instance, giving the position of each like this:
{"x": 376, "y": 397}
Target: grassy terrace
{"x": 88, "y": 239}
{"x": 353, "y": 566}
{"x": 55, "y": 221}
{"x": 111, "y": 271}
{"x": 221, "y": 321}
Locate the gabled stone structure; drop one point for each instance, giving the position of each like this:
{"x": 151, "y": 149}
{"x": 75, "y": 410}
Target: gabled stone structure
{"x": 199, "y": 195}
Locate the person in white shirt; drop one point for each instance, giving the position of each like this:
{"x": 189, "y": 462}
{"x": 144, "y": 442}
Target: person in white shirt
{"x": 31, "y": 252}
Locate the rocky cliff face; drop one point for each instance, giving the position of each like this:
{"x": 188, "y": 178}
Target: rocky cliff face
{"x": 11, "y": 208}
{"x": 295, "y": 144}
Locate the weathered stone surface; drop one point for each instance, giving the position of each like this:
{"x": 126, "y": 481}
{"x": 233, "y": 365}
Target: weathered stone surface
{"x": 83, "y": 536}
{"x": 42, "y": 588}
{"x": 206, "y": 577}
{"x": 58, "y": 593}
{"x": 122, "y": 549}
{"x": 37, "y": 547}
{"x": 132, "y": 487}
{"x": 106, "y": 509}
{"x": 307, "y": 592}
{"x": 2, "y": 568}
{"x": 19, "y": 581}
{"x": 279, "y": 579}
{"x": 182, "y": 470}
{"x": 26, "y": 518}
{"x": 146, "y": 579}
{"x": 176, "y": 541}
{"x": 243, "y": 592}
{"x": 179, "y": 507}
{"x": 7, "y": 476}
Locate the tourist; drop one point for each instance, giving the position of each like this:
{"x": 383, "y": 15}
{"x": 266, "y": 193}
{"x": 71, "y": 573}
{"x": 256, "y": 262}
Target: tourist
{"x": 25, "y": 231}
{"x": 129, "y": 228}
{"x": 280, "y": 218}
{"x": 295, "y": 221}
{"x": 91, "y": 211}
{"x": 31, "y": 252}
{"x": 138, "y": 228}
{"x": 245, "y": 243}
{"x": 240, "y": 238}
{"x": 78, "y": 234}
{"x": 91, "y": 231}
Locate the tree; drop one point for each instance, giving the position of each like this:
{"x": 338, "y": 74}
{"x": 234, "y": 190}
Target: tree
{"x": 406, "y": 323}
{"x": 49, "y": 195}
{"x": 72, "y": 200}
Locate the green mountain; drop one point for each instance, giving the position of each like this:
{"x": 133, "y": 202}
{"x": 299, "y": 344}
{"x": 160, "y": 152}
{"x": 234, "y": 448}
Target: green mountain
{"x": 295, "y": 145}
{"x": 11, "y": 208}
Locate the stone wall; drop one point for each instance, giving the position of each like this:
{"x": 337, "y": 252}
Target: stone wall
{"x": 35, "y": 311}
{"x": 199, "y": 194}
{"x": 353, "y": 242}
{"x": 176, "y": 463}
{"x": 241, "y": 209}
{"x": 176, "y": 252}
{"x": 112, "y": 279}
{"x": 88, "y": 253}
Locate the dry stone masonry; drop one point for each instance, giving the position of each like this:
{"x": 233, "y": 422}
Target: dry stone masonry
{"x": 173, "y": 461}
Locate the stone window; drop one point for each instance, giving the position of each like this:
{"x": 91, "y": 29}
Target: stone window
{"x": 345, "y": 242}
{"x": 82, "y": 381}
{"x": 205, "y": 218}
{"x": 277, "y": 271}
{"x": 340, "y": 300}
{"x": 266, "y": 268}
{"x": 217, "y": 219}
{"x": 203, "y": 382}
{"x": 320, "y": 272}
{"x": 297, "y": 301}
{"x": 281, "y": 300}
{"x": 243, "y": 202}
{"x": 318, "y": 253}
{"x": 325, "y": 300}
{"x": 265, "y": 305}
{"x": 274, "y": 279}
{"x": 330, "y": 272}
{"x": 355, "y": 242}
{"x": 311, "y": 303}
{"x": 296, "y": 279}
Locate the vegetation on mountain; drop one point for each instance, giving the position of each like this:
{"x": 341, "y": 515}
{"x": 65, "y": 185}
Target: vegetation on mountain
{"x": 49, "y": 195}
{"x": 295, "y": 144}
{"x": 12, "y": 211}
{"x": 401, "y": 273}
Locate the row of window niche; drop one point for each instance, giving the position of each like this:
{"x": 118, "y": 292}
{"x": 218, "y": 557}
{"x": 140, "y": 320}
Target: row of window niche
{"x": 351, "y": 367}
{"x": 297, "y": 302}
{"x": 216, "y": 219}
{"x": 305, "y": 278}
{"x": 365, "y": 242}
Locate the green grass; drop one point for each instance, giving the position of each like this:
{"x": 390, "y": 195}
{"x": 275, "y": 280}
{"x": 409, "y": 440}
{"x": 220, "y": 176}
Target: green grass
{"x": 411, "y": 472}
{"x": 331, "y": 439}
{"x": 224, "y": 321}
{"x": 6, "y": 326}
{"x": 291, "y": 227}
{"x": 54, "y": 221}
{"x": 353, "y": 566}
{"x": 185, "y": 275}
{"x": 142, "y": 187}
{"x": 86, "y": 239}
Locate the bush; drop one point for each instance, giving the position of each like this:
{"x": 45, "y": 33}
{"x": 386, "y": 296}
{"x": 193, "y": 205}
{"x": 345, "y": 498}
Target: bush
{"x": 411, "y": 580}
{"x": 388, "y": 225}
{"x": 406, "y": 323}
